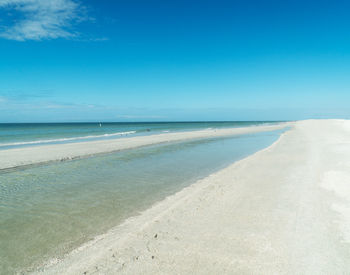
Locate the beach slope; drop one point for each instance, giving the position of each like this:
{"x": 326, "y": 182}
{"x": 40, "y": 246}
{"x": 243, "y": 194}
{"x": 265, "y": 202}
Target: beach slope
{"x": 283, "y": 210}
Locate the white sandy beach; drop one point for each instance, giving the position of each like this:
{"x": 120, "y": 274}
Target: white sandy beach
{"x": 283, "y": 210}
{"x": 59, "y": 152}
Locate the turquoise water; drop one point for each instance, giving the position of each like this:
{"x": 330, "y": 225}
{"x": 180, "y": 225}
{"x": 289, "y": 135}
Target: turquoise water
{"x": 47, "y": 210}
{"x": 30, "y": 134}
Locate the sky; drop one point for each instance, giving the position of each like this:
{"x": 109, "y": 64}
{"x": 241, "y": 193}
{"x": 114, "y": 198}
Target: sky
{"x": 183, "y": 60}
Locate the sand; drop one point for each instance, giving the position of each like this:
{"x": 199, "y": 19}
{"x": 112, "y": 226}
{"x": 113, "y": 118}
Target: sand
{"x": 283, "y": 210}
{"x": 12, "y": 158}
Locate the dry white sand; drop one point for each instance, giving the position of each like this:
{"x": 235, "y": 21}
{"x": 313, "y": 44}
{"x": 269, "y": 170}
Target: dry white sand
{"x": 283, "y": 210}
{"x": 58, "y": 152}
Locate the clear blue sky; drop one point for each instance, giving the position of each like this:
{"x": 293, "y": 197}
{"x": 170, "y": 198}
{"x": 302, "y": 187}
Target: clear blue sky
{"x": 128, "y": 60}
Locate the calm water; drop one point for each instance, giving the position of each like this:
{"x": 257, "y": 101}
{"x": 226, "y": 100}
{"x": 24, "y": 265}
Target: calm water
{"x": 46, "y": 211}
{"x": 29, "y": 134}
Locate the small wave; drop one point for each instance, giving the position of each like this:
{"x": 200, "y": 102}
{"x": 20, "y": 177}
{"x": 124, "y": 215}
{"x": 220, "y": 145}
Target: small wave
{"x": 65, "y": 139}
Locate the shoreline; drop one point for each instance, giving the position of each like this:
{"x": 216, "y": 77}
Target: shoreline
{"x": 21, "y": 157}
{"x": 280, "y": 210}
{"x": 129, "y": 228}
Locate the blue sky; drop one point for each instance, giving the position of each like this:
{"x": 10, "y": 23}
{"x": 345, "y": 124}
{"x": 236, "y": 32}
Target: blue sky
{"x": 127, "y": 60}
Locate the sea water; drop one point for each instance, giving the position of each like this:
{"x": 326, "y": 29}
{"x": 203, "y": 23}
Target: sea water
{"x": 31, "y": 134}
{"x": 48, "y": 210}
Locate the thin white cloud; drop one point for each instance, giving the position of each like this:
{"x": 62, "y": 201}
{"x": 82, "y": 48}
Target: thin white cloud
{"x": 41, "y": 19}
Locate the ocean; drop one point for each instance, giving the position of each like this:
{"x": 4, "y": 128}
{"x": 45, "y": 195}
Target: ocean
{"x": 48, "y": 210}
{"x": 31, "y": 134}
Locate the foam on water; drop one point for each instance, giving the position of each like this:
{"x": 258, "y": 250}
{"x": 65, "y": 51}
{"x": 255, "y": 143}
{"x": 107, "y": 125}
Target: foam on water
{"x": 66, "y": 139}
